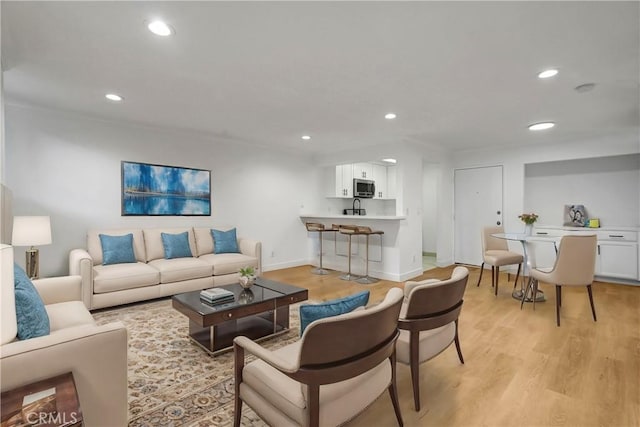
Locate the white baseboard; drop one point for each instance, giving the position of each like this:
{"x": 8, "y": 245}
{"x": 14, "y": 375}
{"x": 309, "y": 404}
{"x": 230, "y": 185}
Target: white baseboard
{"x": 281, "y": 265}
{"x": 444, "y": 263}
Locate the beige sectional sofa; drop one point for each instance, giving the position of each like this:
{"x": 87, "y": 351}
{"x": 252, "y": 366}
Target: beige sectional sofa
{"x": 153, "y": 276}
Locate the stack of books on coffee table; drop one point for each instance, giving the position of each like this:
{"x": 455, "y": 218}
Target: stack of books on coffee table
{"x": 217, "y": 296}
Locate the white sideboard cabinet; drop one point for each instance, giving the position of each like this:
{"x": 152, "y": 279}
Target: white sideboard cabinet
{"x": 617, "y": 253}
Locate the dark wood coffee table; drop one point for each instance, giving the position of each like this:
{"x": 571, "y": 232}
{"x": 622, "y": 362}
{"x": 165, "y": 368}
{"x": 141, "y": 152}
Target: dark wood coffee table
{"x": 258, "y": 313}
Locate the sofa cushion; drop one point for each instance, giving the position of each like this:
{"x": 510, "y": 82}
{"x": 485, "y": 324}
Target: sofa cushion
{"x": 31, "y": 315}
{"x": 153, "y": 241}
{"x": 176, "y": 245}
{"x": 311, "y": 312}
{"x": 225, "y": 242}
{"x": 117, "y": 277}
{"x": 179, "y": 269}
{"x": 68, "y": 314}
{"x": 117, "y": 249}
{"x": 228, "y": 263}
{"x": 94, "y": 247}
{"x": 204, "y": 240}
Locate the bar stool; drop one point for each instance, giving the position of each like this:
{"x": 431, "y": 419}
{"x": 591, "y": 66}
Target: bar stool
{"x": 320, "y": 229}
{"x": 349, "y": 231}
{"x": 367, "y": 280}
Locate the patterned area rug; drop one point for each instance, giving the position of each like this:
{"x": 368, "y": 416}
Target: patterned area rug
{"x": 173, "y": 382}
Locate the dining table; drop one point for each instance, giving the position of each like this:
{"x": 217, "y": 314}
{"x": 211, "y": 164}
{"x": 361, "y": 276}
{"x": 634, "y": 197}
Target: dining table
{"x": 525, "y": 292}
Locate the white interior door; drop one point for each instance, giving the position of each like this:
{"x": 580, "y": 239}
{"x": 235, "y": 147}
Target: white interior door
{"x": 477, "y": 204}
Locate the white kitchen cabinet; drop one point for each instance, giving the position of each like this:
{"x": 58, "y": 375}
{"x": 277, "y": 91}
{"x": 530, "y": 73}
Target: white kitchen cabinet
{"x": 363, "y": 170}
{"x": 379, "y": 175}
{"x": 391, "y": 182}
{"x": 384, "y": 177}
{"x": 616, "y": 256}
{"x": 344, "y": 181}
{"x": 617, "y": 259}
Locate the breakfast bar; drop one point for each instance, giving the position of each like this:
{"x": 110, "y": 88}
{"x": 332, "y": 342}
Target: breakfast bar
{"x": 384, "y": 258}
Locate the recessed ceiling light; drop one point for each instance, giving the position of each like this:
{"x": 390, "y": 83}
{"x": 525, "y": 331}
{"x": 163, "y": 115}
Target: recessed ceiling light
{"x": 390, "y": 160}
{"x": 306, "y": 137}
{"x": 113, "y": 97}
{"x": 547, "y": 73}
{"x": 541, "y": 126}
{"x": 390, "y": 116}
{"x": 160, "y": 28}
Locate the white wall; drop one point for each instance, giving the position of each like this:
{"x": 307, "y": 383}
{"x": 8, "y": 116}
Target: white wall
{"x": 514, "y": 160}
{"x": 68, "y": 166}
{"x": 607, "y": 187}
{"x": 430, "y": 185}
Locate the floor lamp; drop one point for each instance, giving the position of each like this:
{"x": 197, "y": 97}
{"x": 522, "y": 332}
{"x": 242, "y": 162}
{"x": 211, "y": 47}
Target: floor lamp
{"x": 31, "y": 231}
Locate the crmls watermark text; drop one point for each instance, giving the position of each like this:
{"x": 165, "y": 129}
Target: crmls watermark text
{"x": 40, "y": 418}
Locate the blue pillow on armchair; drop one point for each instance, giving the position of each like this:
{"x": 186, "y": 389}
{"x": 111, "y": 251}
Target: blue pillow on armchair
{"x": 225, "y": 242}
{"x": 311, "y": 312}
{"x": 31, "y": 316}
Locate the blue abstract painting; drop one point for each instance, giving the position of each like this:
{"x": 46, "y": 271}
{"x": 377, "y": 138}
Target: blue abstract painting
{"x": 165, "y": 190}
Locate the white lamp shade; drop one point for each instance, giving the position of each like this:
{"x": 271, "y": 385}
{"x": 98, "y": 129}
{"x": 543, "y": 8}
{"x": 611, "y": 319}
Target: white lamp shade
{"x": 31, "y": 231}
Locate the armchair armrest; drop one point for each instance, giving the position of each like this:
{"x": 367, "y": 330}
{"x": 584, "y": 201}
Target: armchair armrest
{"x": 266, "y": 355}
{"x": 59, "y": 289}
{"x": 251, "y": 248}
{"x": 97, "y": 357}
{"x": 81, "y": 264}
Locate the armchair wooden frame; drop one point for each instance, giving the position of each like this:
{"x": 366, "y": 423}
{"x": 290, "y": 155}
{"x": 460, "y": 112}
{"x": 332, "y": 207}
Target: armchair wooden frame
{"x": 431, "y": 306}
{"x": 371, "y": 340}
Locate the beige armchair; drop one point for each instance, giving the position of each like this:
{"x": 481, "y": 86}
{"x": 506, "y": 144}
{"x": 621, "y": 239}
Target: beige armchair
{"x": 495, "y": 252}
{"x": 339, "y": 366}
{"x": 96, "y": 355}
{"x": 574, "y": 266}
{"x": 429, "y": 322}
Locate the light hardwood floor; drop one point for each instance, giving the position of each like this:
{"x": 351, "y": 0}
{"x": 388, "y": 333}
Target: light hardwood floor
{"x": 520, "y": 369}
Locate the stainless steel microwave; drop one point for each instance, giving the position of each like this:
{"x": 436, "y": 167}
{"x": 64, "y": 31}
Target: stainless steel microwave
{"x": 364, "y": 188}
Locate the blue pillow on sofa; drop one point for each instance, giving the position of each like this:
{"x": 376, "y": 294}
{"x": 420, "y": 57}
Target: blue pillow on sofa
{"x": 311, "y": 312}
{"x": 176, "y": 245}
{"x": 225, "y": 242}
{"x": 117, "y": 249}
{"x": 31, "y": 316}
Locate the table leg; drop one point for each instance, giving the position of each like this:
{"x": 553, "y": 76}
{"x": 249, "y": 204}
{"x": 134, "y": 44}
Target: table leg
{"x": 525, "y": 293}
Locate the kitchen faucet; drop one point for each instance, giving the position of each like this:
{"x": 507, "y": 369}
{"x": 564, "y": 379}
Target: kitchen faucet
{"x": 354, "y": 206}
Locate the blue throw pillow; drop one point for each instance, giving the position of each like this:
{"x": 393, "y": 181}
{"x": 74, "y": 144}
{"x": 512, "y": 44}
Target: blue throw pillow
{"x": 225, "y": 242}
{"x": 31, "y": 315}
{"x": 311, "y": 312}
{"x": 117, "y": 249}
{"x": 176, "y": 245}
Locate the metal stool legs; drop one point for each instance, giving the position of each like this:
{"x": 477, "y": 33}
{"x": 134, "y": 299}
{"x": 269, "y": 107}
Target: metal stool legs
{"x": 320, "y": 270}
{"x": 367, "y": 280}
{"x": 349, "y": 276}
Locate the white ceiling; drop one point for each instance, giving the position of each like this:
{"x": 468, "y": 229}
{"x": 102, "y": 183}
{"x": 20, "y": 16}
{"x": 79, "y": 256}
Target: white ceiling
{"x": 458, "y": 74}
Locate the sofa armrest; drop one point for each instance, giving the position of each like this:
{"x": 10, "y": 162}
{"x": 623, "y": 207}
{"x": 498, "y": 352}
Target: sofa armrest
{"x": 251, "y": 248}
{"x": 81, "y": 264}
{"x": 97, "y": 357}
{"x": 59, "y": 289}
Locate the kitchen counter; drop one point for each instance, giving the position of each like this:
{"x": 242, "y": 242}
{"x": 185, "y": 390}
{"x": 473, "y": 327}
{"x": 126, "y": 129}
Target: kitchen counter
{"x": 355, "y": 217}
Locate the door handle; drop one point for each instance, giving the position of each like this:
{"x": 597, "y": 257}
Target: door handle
{"x": 498, "y": 223}
{"x": 498, "y": 212}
